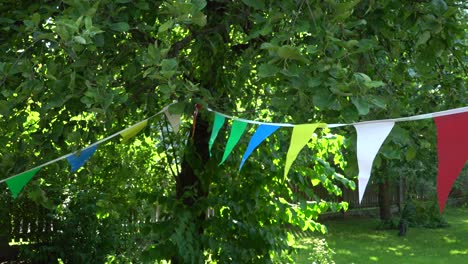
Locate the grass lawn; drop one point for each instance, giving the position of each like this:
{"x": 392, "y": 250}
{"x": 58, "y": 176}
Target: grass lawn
{"x": 356, "y": 240}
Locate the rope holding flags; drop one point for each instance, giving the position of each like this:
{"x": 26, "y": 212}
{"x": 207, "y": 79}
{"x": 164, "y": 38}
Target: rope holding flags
{"x": 77, "y": 159}
{"x": 452, "y": 144}
{"x": 452, "y": 128}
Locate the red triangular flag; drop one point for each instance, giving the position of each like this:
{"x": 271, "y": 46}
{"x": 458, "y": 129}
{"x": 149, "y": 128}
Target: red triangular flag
{"x": 452, "y": 149}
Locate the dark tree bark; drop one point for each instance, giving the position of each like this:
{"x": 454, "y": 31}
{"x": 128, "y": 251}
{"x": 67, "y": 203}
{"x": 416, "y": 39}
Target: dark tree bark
{"x": 197, "y": 153}
{"x": 385, "y": 200}
{"x": 189, "y": 186}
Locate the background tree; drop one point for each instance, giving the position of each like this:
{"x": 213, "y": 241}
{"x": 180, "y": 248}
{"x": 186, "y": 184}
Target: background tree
{"x": 72, "y": 72}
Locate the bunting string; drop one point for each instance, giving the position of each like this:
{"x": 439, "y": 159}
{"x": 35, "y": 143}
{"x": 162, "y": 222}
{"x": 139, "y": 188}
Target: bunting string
{"x": 370, "y": 137}
{"x": 452, "y": 129}
{"x": 400, "y": 119}
{"x": 124, "y": 132}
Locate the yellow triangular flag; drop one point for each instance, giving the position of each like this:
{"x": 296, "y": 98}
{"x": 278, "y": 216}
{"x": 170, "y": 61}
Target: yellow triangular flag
{"x": 174, "y": 120}
{"x": 300, "y": 136}
{"x": 133, "y": 130}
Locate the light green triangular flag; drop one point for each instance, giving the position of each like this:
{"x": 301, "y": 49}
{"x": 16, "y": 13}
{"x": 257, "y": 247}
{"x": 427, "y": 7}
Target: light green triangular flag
{"x": 237, "y": 130}
{"x": 218, "y": 124}
{"x": 16, "y": 183}
{"x": 299, "y": 138}
{"x": 133, "y": 130}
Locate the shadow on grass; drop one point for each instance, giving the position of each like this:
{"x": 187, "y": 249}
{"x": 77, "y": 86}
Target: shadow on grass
{"x": 356, "y": 240}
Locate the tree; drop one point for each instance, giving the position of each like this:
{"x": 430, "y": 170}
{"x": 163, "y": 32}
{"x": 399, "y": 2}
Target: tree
{"x": 73, "y": 71}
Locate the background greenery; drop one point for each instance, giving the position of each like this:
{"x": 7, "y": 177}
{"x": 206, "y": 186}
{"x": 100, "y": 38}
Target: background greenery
{"x": 358, "y": 240}
{"x": 75, "y": 71}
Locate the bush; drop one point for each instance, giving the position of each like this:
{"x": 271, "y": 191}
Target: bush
{"x": 423, "y": 214}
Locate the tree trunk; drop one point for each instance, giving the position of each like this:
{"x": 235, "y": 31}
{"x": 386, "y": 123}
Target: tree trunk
{"x": 384, "y": 200}
{"x": 189, "y": 185}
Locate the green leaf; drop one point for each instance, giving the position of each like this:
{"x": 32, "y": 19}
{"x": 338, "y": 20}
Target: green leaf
{"x": 290, "y": 52}
{"x": 199, "y": 19}
{"x": 267, "y": 70}
{"x": 256, "y": 4}
{"x": 199, "y": 4}
{"x": 361, "y": 77}
{"x": 4, "y": 108}
{"x": 410, "y": 154}
{"x": 165, "y": 26}
{"x": 314, "y": 82}
{"x": 177, "y": 108}
{"x": 36, "y": 18}
{"x": 374, "y": 84}
{"x": 88, "y": 23}
{"x": 79, "y": 39}
{"x": 390, "y": 152}
{"x": 168, "y": 64}
{"x": 120, "y": 26}
{"x": 361, "y": 105}
{"x": 378, "y": 101}
{"x": 323, "y": 100}
{"x": 423, "y": 38}
{"x": 315, "y": 182}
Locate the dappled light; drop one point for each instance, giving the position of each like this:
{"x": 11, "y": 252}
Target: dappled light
{"x": 356, "y": 240}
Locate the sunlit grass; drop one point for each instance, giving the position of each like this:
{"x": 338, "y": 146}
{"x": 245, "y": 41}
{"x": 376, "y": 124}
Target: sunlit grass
{"x": 357, "y": 240}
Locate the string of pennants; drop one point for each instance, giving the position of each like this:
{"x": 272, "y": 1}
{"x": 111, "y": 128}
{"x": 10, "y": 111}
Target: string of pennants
{"x": 452, "y": 144}
{"x": 77, "y": 159}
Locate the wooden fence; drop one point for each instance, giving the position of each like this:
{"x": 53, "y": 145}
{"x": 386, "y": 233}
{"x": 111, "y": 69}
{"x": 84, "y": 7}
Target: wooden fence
{"x": 30, "y": 222}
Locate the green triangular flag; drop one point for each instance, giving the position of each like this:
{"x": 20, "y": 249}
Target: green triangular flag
{"x": 133, "y": 130}
{"x": 218, "y": 124}
{"x": 17, "y": 183}
{"x": 237, "y": 130}
{"x": 299, "y": 138}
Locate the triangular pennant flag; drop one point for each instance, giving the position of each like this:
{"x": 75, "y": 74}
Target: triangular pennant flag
{"x": 237, "y": 130}
{"x": 79, "y": 159}
{"x": 370, "y": 137}
{"x": 174, "y": 120}
{"x": 218, "y": 124}
{"x": 263, "y": 131}
{"x": 452, "y": 152}
{"x": 133, "y": 130}
{"x": 16, "y": 183}
{"x": 299, "y": 138}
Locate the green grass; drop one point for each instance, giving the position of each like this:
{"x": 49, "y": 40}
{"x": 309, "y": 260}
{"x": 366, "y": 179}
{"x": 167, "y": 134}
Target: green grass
{"x": 357, "y": 240}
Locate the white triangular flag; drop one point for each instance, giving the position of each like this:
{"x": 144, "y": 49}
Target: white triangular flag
{"x": 370, "y": 137}
{"x": 174, "y": 120}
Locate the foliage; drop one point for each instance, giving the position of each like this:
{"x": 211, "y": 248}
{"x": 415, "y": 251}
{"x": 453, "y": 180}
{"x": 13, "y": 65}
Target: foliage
{"x": 424, "y": 214}
{"x": 318, "y": 251}
{"x": 72, "y": 72}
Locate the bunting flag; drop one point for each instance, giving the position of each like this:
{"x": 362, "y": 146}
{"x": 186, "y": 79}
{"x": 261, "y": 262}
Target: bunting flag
{"x": 370, "y": 137}
{"x": 218, "y": 124}
{"x": 174, "y": 120}
{"x": 299, "y": 138}
{"x": 79, "y": 159}
{"x": 452, "y": 144}
{"x": 263, "y": 131}
{"x": 237, "y": 130}
{"x": 17, "y": 183}
{"x": 452, "y": 152}
{"x": 133, "y": 130}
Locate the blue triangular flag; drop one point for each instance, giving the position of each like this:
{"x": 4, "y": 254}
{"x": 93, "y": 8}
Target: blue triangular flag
{"x": 76, "y": 161}
{"x": 263, "y": 131}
